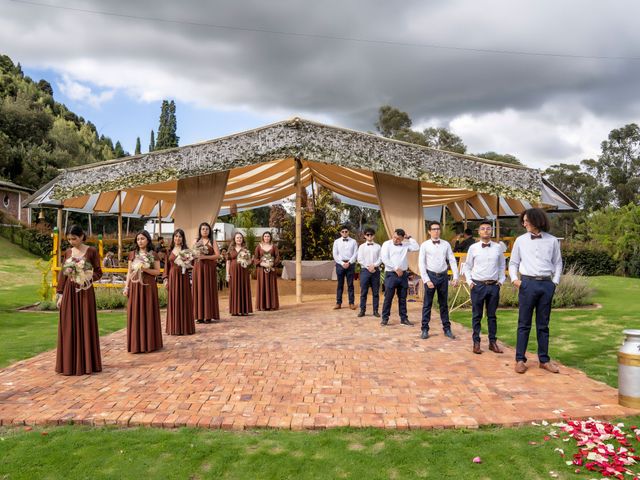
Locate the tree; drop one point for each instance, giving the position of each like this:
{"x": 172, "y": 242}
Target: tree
{"x": 138, "y": 148}
{"x": 152, "y": 143}
{"x": 499, "y": 157}
{"x": 118, "y": 151}
{"x": 167, "y": 128}
{"x": 618, "y": 167}
{"x": 444, "y": 139}
{"x": 391, "y": 121}
{"x": 577, "y": 184}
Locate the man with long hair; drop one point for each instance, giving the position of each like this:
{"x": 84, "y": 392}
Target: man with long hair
{"x": 536, "y": 257}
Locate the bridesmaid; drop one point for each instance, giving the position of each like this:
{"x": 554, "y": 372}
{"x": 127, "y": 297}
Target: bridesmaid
{"x": 267, "y": 284}
{"x": 239, "y": 279}
{"x": 144, "y": 331}
{"x": 179, "y": 297}
{"x": 78, "y": 336}
{"x": 205, "y": 278}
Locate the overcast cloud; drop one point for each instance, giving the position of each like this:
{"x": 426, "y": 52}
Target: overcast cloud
{"x": 542, "y": 109}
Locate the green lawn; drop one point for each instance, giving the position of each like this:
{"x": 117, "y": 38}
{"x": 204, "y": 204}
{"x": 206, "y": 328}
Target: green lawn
{"x": 25, "y": 334}
{"x": 587, "y": 339}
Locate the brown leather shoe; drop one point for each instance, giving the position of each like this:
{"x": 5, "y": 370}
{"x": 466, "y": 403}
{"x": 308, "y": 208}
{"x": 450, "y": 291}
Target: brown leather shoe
{"x": 494, "y": 347}
{"x": 521, "y": 367}
{"x": 476, "y": 348}
{"x": 352, "y": 306}
{"x": 550, "y": 367}
{"x": 337, "y": 307}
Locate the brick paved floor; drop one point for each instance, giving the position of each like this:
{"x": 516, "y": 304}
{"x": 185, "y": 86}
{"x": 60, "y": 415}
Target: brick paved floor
{"x": 302, "y": 367}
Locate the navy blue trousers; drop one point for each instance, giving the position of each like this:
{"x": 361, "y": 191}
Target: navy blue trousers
{"x": 534, "y": 295}
{"x": 485, "y": 296}
{"x": 393, "y": 284}
{"x": 347, "y": 273}
{"x": 368, "y": 279}
{"x": 440, "y": 285}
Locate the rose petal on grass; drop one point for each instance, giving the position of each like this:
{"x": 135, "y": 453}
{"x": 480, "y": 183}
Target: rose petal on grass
{"x": 477, "y": 460}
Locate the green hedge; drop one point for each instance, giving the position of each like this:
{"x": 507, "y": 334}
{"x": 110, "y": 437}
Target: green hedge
{"x": 589, "y": 259}
{"x": 37, "y": 242}
{"x": 109, "y": 299}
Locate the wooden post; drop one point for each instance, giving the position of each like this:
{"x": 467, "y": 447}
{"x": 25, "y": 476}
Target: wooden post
{"x": 298, "y": 231}
{"x": 90, "y": 226}
{"x": 128, "y": 219}
{"x": 159, "y": 218}
{"x": 498, "y": 219}
{"x": 444, "y": 218}
{"x": 66, "y": 220}
{"x": 60, "y": 233}
{"x": 119, "y": 227}
{"x": 464, "y": 212}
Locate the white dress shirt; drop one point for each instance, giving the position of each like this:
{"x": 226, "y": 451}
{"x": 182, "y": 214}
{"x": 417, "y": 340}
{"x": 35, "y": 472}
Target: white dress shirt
{"x": 433, "y": 257}
{"x": 484, "y": 264}
{"x": 345, "y": 249}
{"x": 369, "y": 254}
{"x": 537, "y": 258}
{"x": 395, "y": 256}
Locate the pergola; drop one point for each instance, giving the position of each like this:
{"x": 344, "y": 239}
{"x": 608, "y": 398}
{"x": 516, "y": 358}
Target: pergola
{"x": 198, "y": 182}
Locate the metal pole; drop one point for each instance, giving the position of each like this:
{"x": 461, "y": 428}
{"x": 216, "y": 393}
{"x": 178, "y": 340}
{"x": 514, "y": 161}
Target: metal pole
{"x": 90, "y": 226}
{"x": 59, "y": 225}
{"x": 119, "y": 227}
{"x": 298, "y": 231}
{"x": 159, "y": 218}
{"x": 497, "y": 219}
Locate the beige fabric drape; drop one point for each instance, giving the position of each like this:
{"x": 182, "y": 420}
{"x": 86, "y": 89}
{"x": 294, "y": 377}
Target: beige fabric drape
{"x": 400, "y": 201}
{"x": 198, "y": 199}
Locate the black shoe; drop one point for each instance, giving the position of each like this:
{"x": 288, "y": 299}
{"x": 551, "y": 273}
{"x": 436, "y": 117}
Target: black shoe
{"x": 406, "y": 322}
{"x": 425, "y": 334}
{"x": 207, "y": 320}
{"x": 361, "y": 313}
{"x": 376, "y": 314}
{"x": 384, "y": 322}
{"x": 199, "y": 321}
{"x": 449, "y": 333}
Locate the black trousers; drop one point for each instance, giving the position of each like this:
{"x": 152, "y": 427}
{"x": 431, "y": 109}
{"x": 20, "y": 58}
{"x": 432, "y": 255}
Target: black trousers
{"x": 347, "y": 273}
{"x": 534, "y": 295}
{"x": 368, "y": 279}
{"x": 440, "y": 285}
{"x": 392, "y": 284}
{"x": 485, "y": 296}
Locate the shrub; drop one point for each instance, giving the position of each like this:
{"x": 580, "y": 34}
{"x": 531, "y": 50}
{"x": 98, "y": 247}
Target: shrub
{"x": 109, "y": 299}
{"x": 589, "y": 258}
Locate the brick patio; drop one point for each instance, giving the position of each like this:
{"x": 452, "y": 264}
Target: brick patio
{"x": 302, "y": 367}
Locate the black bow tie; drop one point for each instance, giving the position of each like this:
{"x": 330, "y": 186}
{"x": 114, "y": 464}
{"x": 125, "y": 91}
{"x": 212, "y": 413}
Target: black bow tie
{"x": 486, "y": 245}
{"x": 436, "y": 242}
{"x": 345, "y": 239}
{"x": 536, "y": 237}
{"x": 369, "y": 244}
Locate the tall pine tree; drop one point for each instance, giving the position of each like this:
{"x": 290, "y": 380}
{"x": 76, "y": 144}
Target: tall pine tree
{"x": 152, "y": 142}
{"x": 118, "y": 151}
{"x": 167, "y": 137}
{"x": 138, "y": 148}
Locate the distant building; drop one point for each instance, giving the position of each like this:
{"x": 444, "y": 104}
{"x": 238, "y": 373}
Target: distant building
{"x": 11, "y": 198}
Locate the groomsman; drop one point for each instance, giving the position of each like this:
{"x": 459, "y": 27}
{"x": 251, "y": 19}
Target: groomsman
{"x": 434, "y": 254}
{"x": 536, "y": 257}
{"x": 345, "y": 253}
{"x": 484, "y": 271}
{"x": 369, "y": 260}
{"x": 394, "y": 256}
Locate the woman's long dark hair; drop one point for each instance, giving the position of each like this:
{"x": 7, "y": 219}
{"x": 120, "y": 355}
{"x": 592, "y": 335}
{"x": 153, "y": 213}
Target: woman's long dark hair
{"x": 149, "y": 242}
{"x": 200, "y": 232}
{"x": 77, "y": 231}
{"x": 180, "y": 232}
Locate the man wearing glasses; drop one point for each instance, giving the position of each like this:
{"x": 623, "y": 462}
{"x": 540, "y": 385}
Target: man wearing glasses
{"x": 345, "y": 253}
{"x": 432, "y": 261}
{"x": 369, "y": 260}
{"x": 484, "y": 271}
{"x": 536, "y": 257}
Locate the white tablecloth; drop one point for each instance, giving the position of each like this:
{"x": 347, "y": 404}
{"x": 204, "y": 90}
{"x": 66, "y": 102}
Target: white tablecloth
{"x": 311, "y": 270}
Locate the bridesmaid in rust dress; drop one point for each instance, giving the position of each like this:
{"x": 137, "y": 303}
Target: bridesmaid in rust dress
{"x": 78, "y": 337}
{"x": 179, "y": 297}
{"x": 205, "y": 277}
{"x": 144, "y": 331}
{"x": 239, "y": 279}
{"x": 267, "y": 284}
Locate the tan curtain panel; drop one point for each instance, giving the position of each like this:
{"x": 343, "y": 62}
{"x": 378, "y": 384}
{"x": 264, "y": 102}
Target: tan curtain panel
{"x": 400, "y": 201}
{"x": 198, "y": 199}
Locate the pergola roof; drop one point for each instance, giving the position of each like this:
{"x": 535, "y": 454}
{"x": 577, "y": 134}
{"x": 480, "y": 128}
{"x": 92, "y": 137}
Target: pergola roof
{"x": 262, "y": 165}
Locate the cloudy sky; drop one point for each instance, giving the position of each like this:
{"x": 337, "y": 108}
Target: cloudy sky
{"x": 544, "y": 80}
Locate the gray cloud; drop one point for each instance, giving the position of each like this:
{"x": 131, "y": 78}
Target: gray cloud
{"x": 346, "y": 80}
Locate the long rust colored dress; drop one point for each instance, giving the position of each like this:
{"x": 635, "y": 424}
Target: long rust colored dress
{"x": 205, "y": 289}
{"x": 78, "y": 337}
{"x": 267, "y": 282}
{"x": 239, "y": 286}
{"x": 179, "y": 299}
{"x": 144, "y": 330}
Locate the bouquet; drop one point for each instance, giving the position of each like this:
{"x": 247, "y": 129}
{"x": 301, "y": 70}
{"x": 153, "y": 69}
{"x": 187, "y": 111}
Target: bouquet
{"x": 244, "y": 258}
{"x": 79, "y": 271}
{"x": 267, "y": 262}
{"x": 140, "y": 262}
{"x": 200, "y": 249}
{"x": 185, "y": 259}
